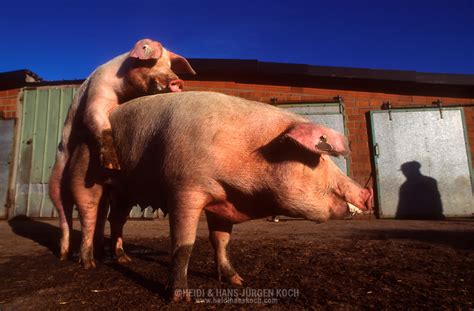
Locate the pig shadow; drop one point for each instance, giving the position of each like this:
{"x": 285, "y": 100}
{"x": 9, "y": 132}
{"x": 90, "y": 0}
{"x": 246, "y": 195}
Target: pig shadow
{"x": 149, "y": 284}
{"x": 155, "y": 257}
{"x": 419, "y": 196}
{"x": 49, "y": 235}
{"x": 42, "y": 233}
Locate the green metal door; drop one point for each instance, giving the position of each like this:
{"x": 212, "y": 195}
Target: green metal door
{"x": 42, "y": 115}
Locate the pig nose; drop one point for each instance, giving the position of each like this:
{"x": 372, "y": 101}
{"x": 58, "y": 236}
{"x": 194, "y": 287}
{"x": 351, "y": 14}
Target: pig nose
{"x": 176, "y": 85}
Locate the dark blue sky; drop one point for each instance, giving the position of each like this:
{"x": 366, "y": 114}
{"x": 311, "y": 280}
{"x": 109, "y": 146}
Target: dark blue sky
{"x": 68, "y": 39}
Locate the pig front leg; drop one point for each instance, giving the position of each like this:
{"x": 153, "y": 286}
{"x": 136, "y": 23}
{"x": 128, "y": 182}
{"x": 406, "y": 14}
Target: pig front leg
{"x": 184, "y": 218}
{"x": 97, "y": 121}
{"x": 219, "y": 234}
{"x": 108, "y": 154}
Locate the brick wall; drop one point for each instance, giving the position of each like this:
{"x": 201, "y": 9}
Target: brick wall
{"x": 8, "y": 102}
{"x": 357, "y": 105}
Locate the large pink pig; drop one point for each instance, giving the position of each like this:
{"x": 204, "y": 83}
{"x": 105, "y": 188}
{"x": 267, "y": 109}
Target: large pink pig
{"x": 147, "y": 69}
{"x": 234, "y": 159}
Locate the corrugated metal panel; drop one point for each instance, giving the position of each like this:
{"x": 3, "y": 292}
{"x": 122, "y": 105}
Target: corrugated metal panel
{"x": 43, "y": 112}
{"x": 6, "y": 146}
{"x": 327, "y": 114}
{"x": 422, "y": 163}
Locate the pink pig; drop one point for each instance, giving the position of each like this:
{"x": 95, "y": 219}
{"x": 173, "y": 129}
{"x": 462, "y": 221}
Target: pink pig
{"x": 147, "y": 69}
{"x": 233, "y": 159}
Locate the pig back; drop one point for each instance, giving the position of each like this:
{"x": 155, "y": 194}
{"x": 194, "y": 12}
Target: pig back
{"x": 195, "y": 133}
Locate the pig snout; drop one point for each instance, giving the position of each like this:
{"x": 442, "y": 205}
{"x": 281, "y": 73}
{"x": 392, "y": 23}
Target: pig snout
{"x": 363, "y": 203}
{"x": 353, "y": 201}
{"x": 176, "y": 85}
{"x": 167, "y": 82}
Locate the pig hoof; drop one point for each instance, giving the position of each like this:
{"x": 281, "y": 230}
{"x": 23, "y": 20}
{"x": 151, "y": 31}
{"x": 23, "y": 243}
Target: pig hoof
{"x": 235, "y": 280}
{"x": 63, "y": 256}
{"x": 88, "y": 264}
{"x": 121, "y": 256}
{"x": 124, "y": 259}
{"x": 108, "y": 155}
{"x": 112, "y": 165}
{"x": 109, "y": 159}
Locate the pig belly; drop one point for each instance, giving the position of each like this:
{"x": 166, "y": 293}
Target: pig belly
{"x": 227, "y": 211}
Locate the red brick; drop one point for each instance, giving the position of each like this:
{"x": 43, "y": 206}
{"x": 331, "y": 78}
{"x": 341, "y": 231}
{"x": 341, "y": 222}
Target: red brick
{"x": 13, "y": 92}
{"x": 356, "y": 117}
{"x": 8, "y": 107}
{"x": 363, "y": 104}
{"x": 8, "y": 114}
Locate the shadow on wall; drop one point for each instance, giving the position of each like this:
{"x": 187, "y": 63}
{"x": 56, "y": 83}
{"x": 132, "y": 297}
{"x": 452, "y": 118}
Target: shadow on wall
{"x": 419, "y": 197}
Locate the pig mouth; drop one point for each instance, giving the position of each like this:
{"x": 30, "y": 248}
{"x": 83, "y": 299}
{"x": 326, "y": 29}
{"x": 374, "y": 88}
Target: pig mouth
{"x": 363, "y": 203}
{"x": 352, "y": 204}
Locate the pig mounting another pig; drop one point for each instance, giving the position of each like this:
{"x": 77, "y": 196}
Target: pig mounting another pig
{"x": 147, "y": 69}
{"x": 234, "y": 159}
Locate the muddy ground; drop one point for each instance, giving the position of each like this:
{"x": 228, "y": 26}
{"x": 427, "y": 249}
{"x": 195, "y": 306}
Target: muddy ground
{"x": 294, "y": 264}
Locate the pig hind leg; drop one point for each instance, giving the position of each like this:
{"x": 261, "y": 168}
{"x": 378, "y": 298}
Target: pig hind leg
{"x": 87, "y": 197}
{"x": 219, "y": 234}
{"x": 63, "y": 203}
{"x": 88, "y": 201}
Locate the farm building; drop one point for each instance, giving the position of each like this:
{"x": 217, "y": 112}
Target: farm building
{"x": 411, "y": 134}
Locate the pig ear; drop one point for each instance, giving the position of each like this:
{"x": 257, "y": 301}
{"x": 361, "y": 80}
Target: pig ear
{"x": 318, "y": 139}
{"x": 179, "y": 64}
{"x": 147, "y": 49}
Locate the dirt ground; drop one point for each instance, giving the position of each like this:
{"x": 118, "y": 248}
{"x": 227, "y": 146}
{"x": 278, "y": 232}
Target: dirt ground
{"x": 294, "y": 264}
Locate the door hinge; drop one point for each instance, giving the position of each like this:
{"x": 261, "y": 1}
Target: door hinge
{"x": 388, "y": 106}
{"x": 439, "y": 104}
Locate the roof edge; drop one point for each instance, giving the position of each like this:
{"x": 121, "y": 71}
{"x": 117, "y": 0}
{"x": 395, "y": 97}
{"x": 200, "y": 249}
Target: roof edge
{"x": 242, "y": 66}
